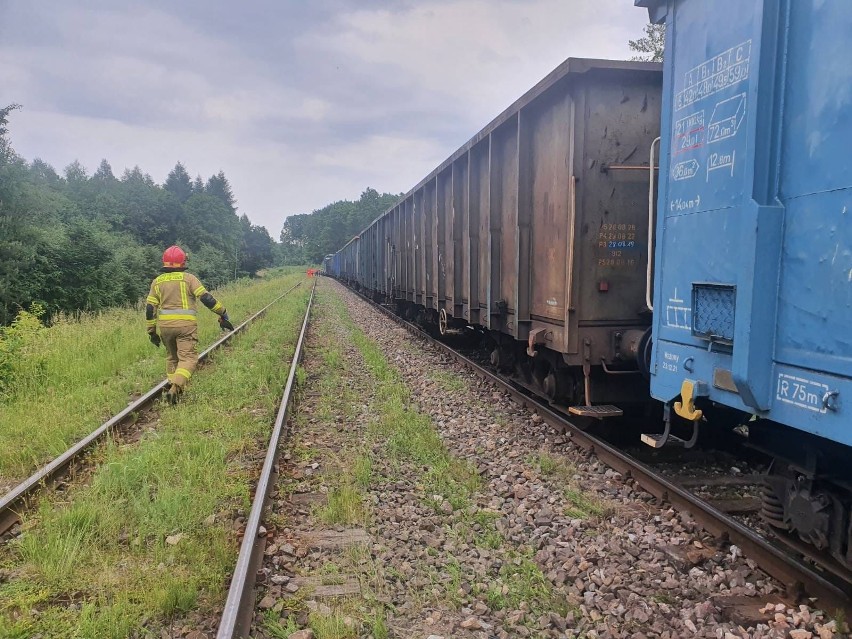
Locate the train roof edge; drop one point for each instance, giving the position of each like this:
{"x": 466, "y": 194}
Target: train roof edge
{"x": 657, "y": 9}
{"x": 570, "y": 66}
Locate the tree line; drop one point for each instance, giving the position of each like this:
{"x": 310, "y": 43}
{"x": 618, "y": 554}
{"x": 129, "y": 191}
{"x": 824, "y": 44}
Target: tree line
{"x": 76, "y": 241}
{"x": 307, "y": 238}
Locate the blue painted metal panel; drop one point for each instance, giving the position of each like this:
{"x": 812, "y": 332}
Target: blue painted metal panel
{"x": 753, "y": 277}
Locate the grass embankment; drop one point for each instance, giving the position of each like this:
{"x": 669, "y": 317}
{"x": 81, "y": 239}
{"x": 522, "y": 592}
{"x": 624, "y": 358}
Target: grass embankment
{"x": 150, "y": 537}
{"x": 65, "y": 380}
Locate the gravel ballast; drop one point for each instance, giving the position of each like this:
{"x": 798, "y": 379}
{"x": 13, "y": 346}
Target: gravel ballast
{"x": 548, "y": 542}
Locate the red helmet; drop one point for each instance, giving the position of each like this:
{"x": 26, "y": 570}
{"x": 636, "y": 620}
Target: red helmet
{"x": 174, "y": 257}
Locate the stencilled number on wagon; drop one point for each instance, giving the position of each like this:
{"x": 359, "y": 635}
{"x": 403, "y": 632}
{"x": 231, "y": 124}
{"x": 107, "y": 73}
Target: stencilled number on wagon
{"x": 801, "y": 392}
{"x": 617, "y": 245}
{"x": 617, "y": 262}
{"x": 670, "y": 362}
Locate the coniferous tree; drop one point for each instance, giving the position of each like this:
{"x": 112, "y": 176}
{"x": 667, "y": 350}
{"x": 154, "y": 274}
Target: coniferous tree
{"x": 219, "y": 187}
{"x": 104, "y": 174}
{"x": 179, "y": 183}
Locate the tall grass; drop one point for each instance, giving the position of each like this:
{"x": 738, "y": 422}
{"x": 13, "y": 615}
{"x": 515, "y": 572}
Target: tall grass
{"x": 67, "y": 379}
{"x": 150, "y": 537}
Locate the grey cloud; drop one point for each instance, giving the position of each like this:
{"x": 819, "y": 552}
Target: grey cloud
{"x": 299, "y": 102}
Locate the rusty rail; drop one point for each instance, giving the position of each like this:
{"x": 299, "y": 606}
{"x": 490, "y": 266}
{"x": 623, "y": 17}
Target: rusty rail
{"x": 239, "y": 606}
{"x": 16, "y": 500}
{"x": 798, "y": 578}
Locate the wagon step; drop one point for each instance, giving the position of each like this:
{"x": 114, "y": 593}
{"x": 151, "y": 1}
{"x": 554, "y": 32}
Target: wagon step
{"x": 602, "y": 411}
{"x": 658, "y": 440}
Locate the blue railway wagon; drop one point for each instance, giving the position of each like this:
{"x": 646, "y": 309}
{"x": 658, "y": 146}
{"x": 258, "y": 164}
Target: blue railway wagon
{"x": 752, "y": 290}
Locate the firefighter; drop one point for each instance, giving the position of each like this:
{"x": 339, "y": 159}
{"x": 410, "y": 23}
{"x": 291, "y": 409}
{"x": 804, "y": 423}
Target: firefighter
{"x": 171, "y": 306}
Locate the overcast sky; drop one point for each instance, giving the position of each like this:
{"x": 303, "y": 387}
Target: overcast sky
{"x": 299, "y": 102}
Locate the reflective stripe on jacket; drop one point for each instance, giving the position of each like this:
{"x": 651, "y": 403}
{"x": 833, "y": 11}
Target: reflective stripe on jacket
{"x": 175, "y": 296}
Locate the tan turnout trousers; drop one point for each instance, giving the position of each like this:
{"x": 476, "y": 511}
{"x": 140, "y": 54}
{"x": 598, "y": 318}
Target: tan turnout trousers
{"x": 175, "y": 295}
{"x": 181, "y": 344}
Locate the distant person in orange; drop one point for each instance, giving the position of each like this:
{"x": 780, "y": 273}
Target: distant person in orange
{"x": 170, "y": 306}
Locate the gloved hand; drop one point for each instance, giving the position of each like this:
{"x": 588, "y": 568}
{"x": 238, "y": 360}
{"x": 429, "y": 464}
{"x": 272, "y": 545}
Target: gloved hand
{"x": 155, "y": 339}
{"x": 225, "y": 322}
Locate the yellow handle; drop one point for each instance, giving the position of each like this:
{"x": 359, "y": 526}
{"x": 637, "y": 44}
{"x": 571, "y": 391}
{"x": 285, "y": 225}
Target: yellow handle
{"x": 686, "y": 408}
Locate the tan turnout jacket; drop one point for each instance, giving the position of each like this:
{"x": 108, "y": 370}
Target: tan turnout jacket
{"x": 175, "y": 296}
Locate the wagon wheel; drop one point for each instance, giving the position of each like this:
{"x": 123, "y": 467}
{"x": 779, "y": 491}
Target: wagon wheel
{"x": 442, "y": 322}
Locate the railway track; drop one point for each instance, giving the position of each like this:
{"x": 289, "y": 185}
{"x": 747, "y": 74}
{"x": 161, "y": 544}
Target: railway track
{"x": 239, "y": 605}
{"x": 802, "y": 576}
{"x": 19, "y": 498}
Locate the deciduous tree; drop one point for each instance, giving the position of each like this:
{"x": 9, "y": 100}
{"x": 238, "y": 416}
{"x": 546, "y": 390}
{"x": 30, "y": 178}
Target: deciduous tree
{"x": 650, "y": 47}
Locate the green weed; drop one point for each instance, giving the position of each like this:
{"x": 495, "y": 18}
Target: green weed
{"x": 450, "y": 382}
{"x": 362, "y": 470}
{"x": 331, "y": 626}
{"x": 333, "y": 358}
{"x": 301, "y": 377}
{"x": 524, "y": 581}
{"x": 583, "y": 505}
{"x": 487, "y": 536}
{"x": 344, "y": 506}
{"x": 552, "y": 465}
{"x": 839, "y": 618}
{"x": 453, "y": 585}
{"x": 275, "y": 628}
{"x": 15, "y": 342}
{"x": 494, "y": 597}
{"x": 377, "y": 622}
{"x": 176, "y": 596}
{"x": 107, "y": 619}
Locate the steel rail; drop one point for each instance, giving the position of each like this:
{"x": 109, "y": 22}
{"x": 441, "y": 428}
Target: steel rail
{"x": 799, "y": 579}
{"x": 14, "y": 501}
{"x": 239, "y": 606}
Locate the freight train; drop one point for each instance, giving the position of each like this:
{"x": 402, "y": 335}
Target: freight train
{"x": 724, "y": 278}
{"x": 536, "y": 232}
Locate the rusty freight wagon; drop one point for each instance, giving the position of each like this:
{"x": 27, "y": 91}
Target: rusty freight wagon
{"x": 536, "y": 231}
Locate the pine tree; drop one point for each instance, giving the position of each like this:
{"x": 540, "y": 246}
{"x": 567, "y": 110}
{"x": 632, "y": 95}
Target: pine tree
{"x": 198, "y": 185}
{"x": 178, "y": 183}
{"x": 218, "y": 186}
{"x": 104, "y": 174}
